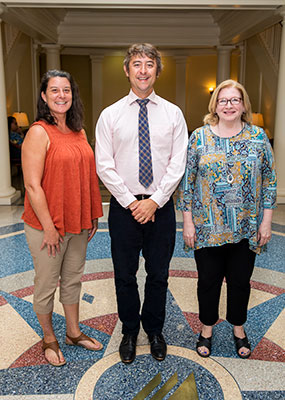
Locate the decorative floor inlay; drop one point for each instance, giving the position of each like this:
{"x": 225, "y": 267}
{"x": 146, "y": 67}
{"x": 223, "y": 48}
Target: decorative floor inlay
{"x": 25, "y": 374}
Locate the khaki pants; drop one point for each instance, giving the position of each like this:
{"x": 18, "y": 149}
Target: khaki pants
{"x": 68, "y": 265}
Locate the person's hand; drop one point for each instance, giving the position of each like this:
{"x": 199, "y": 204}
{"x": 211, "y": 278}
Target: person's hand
{"x": 132, "y": 205}
{"x": 93, "y": 230}
{"x": 264, "y": 233}
{"x": 51, "y": 240}
{"x": 189, "y": 234}
{"x": 143, "y": 211}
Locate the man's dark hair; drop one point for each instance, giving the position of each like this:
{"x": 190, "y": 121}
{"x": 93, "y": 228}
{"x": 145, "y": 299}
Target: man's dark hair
{"x": 143, "y": 49}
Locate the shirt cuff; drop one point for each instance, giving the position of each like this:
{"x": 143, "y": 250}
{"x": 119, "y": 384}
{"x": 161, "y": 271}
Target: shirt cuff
{"x": 160, "y": 198}
{"x": 126, "y": 199}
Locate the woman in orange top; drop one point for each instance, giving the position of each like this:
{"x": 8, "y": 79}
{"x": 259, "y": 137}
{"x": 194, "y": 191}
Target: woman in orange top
{"x": 62, "y": 207}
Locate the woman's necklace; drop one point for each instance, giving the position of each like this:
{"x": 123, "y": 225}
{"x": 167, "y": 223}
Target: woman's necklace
{"x": 229, "y": 175}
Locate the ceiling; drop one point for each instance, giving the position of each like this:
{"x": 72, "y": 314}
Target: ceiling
{"x": 116, "y": 24}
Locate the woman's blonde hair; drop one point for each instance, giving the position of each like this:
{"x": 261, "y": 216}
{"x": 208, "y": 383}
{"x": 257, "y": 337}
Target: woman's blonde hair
{"x": 212, "y": 118}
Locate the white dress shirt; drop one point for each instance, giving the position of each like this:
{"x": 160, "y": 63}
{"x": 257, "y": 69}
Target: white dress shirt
{"x": 117, "y": 152}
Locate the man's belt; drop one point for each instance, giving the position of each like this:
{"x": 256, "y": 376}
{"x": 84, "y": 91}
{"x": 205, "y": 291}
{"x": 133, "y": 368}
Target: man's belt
{"x": 142, "y": 196}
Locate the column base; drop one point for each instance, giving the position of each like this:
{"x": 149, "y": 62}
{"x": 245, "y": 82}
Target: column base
{"x": 8, "y": 200}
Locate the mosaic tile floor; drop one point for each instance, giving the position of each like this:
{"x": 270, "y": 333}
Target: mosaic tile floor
{"x": 24, "y": 373}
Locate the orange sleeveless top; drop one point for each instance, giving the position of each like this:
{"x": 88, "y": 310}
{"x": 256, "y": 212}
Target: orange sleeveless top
{"x": 69, "y": 181}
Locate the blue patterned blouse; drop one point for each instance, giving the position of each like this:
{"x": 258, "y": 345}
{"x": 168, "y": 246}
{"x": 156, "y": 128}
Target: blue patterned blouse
{"x": 227, "y": 184}
{"x": 15, "y": 138}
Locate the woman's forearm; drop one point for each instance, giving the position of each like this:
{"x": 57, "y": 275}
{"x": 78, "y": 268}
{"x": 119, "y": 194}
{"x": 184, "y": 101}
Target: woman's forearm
{"x": 267, "y": 215}
{"x": 187, "y": 217}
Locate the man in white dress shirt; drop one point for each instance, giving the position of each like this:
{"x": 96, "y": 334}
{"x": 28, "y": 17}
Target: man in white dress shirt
{"x": 141, "y": 216}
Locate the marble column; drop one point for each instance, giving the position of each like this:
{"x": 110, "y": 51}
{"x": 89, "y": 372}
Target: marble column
{"x": 224, "y": 63}
{"x": 8, "y": 194}
{"x": 53, "y": 55}
{"x": 97, "y": 87}
{"x": 181, "y": 62}
{"x": 279, "y": 132}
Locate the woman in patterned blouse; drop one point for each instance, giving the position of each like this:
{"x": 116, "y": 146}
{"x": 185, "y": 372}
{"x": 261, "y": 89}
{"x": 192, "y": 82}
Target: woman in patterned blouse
{"x": 227, "y": 196}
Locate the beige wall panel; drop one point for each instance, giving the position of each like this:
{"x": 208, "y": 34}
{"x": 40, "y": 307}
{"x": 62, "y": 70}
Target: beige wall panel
{"x": 252, "y": 80}
{"x": 116, "y": 85}
{"x": 234, "y": 66}
{"x": 115, "y": 82}
{"x": 165, "y": 85}
{"x": 19, "y": 61}
{"x": 80, "y": 68}
{"x": 268, "y": 109}
{"x": 266, "y": 96}
{"x": 26, "y": 84}
{"x": 201, "y": 76}
{"x": 11, "y": 99}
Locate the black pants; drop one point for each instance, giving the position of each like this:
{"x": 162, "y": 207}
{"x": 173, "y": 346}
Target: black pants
{"x": 156, "y": 240}
{"x": 233, "y": 261}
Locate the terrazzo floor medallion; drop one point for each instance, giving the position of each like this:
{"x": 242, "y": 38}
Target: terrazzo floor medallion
{"x": 88, "y": 375}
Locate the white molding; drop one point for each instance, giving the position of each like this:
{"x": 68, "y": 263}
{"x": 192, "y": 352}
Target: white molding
{"x": 10, "y": 34}
{"x": 120, "y": 23}
{"x": 177, "y": 4}
{"x": 120, "y": 28}
{"x": 30, "y": 21}
{"x": 108, "y": 51}
{"x": 236, "y": 26}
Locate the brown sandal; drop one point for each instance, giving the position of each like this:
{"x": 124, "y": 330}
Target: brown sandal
{"x": 80, "y": 338}
{"x": 55, "y": 347}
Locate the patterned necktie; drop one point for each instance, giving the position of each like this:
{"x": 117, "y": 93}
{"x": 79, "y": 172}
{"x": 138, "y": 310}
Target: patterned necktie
{"x": 145, "y": 164}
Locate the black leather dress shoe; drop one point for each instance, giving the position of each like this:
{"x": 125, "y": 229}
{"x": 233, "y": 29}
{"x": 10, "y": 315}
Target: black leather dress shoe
{"x": 157, "y": 346}
{"x": 127, "y": 348}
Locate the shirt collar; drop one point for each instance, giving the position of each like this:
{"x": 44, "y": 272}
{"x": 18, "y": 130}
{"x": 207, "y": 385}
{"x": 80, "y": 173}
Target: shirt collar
{"x": 132, "y": 97}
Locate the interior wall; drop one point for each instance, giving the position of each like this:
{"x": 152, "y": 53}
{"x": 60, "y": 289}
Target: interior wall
{"x": 262, "y": 97}
{"x": 80, "y": 69}
{"x": 268, "y": 109}
{"x": 26, "y": 84}
{"x": 165, "y": 85}
{"x": 235, "y": 66}
{"x": 18, "y": 61}
{"x": 201, "y": 75}
{"x": 115, "y": 83}
{"x": 252, "y": 76}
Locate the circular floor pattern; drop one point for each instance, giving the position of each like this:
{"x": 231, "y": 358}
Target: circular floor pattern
{"x": 86, "y": 375}
{"x": 109, "y": 376}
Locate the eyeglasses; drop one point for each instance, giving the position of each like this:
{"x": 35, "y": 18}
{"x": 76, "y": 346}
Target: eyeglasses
{"x": 234, "y": 101}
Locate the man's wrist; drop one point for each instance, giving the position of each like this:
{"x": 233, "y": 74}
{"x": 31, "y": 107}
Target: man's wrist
{"x": 132, "y": 204}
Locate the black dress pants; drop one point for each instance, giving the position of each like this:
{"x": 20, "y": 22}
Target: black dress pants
{"x": 156, "y": 240}
{"x": 233, "y": 261}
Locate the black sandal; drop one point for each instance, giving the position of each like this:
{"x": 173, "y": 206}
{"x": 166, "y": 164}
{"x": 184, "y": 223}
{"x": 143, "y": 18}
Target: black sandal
{"x": 206, "y": 342}
{"x": 242, "y": 343}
